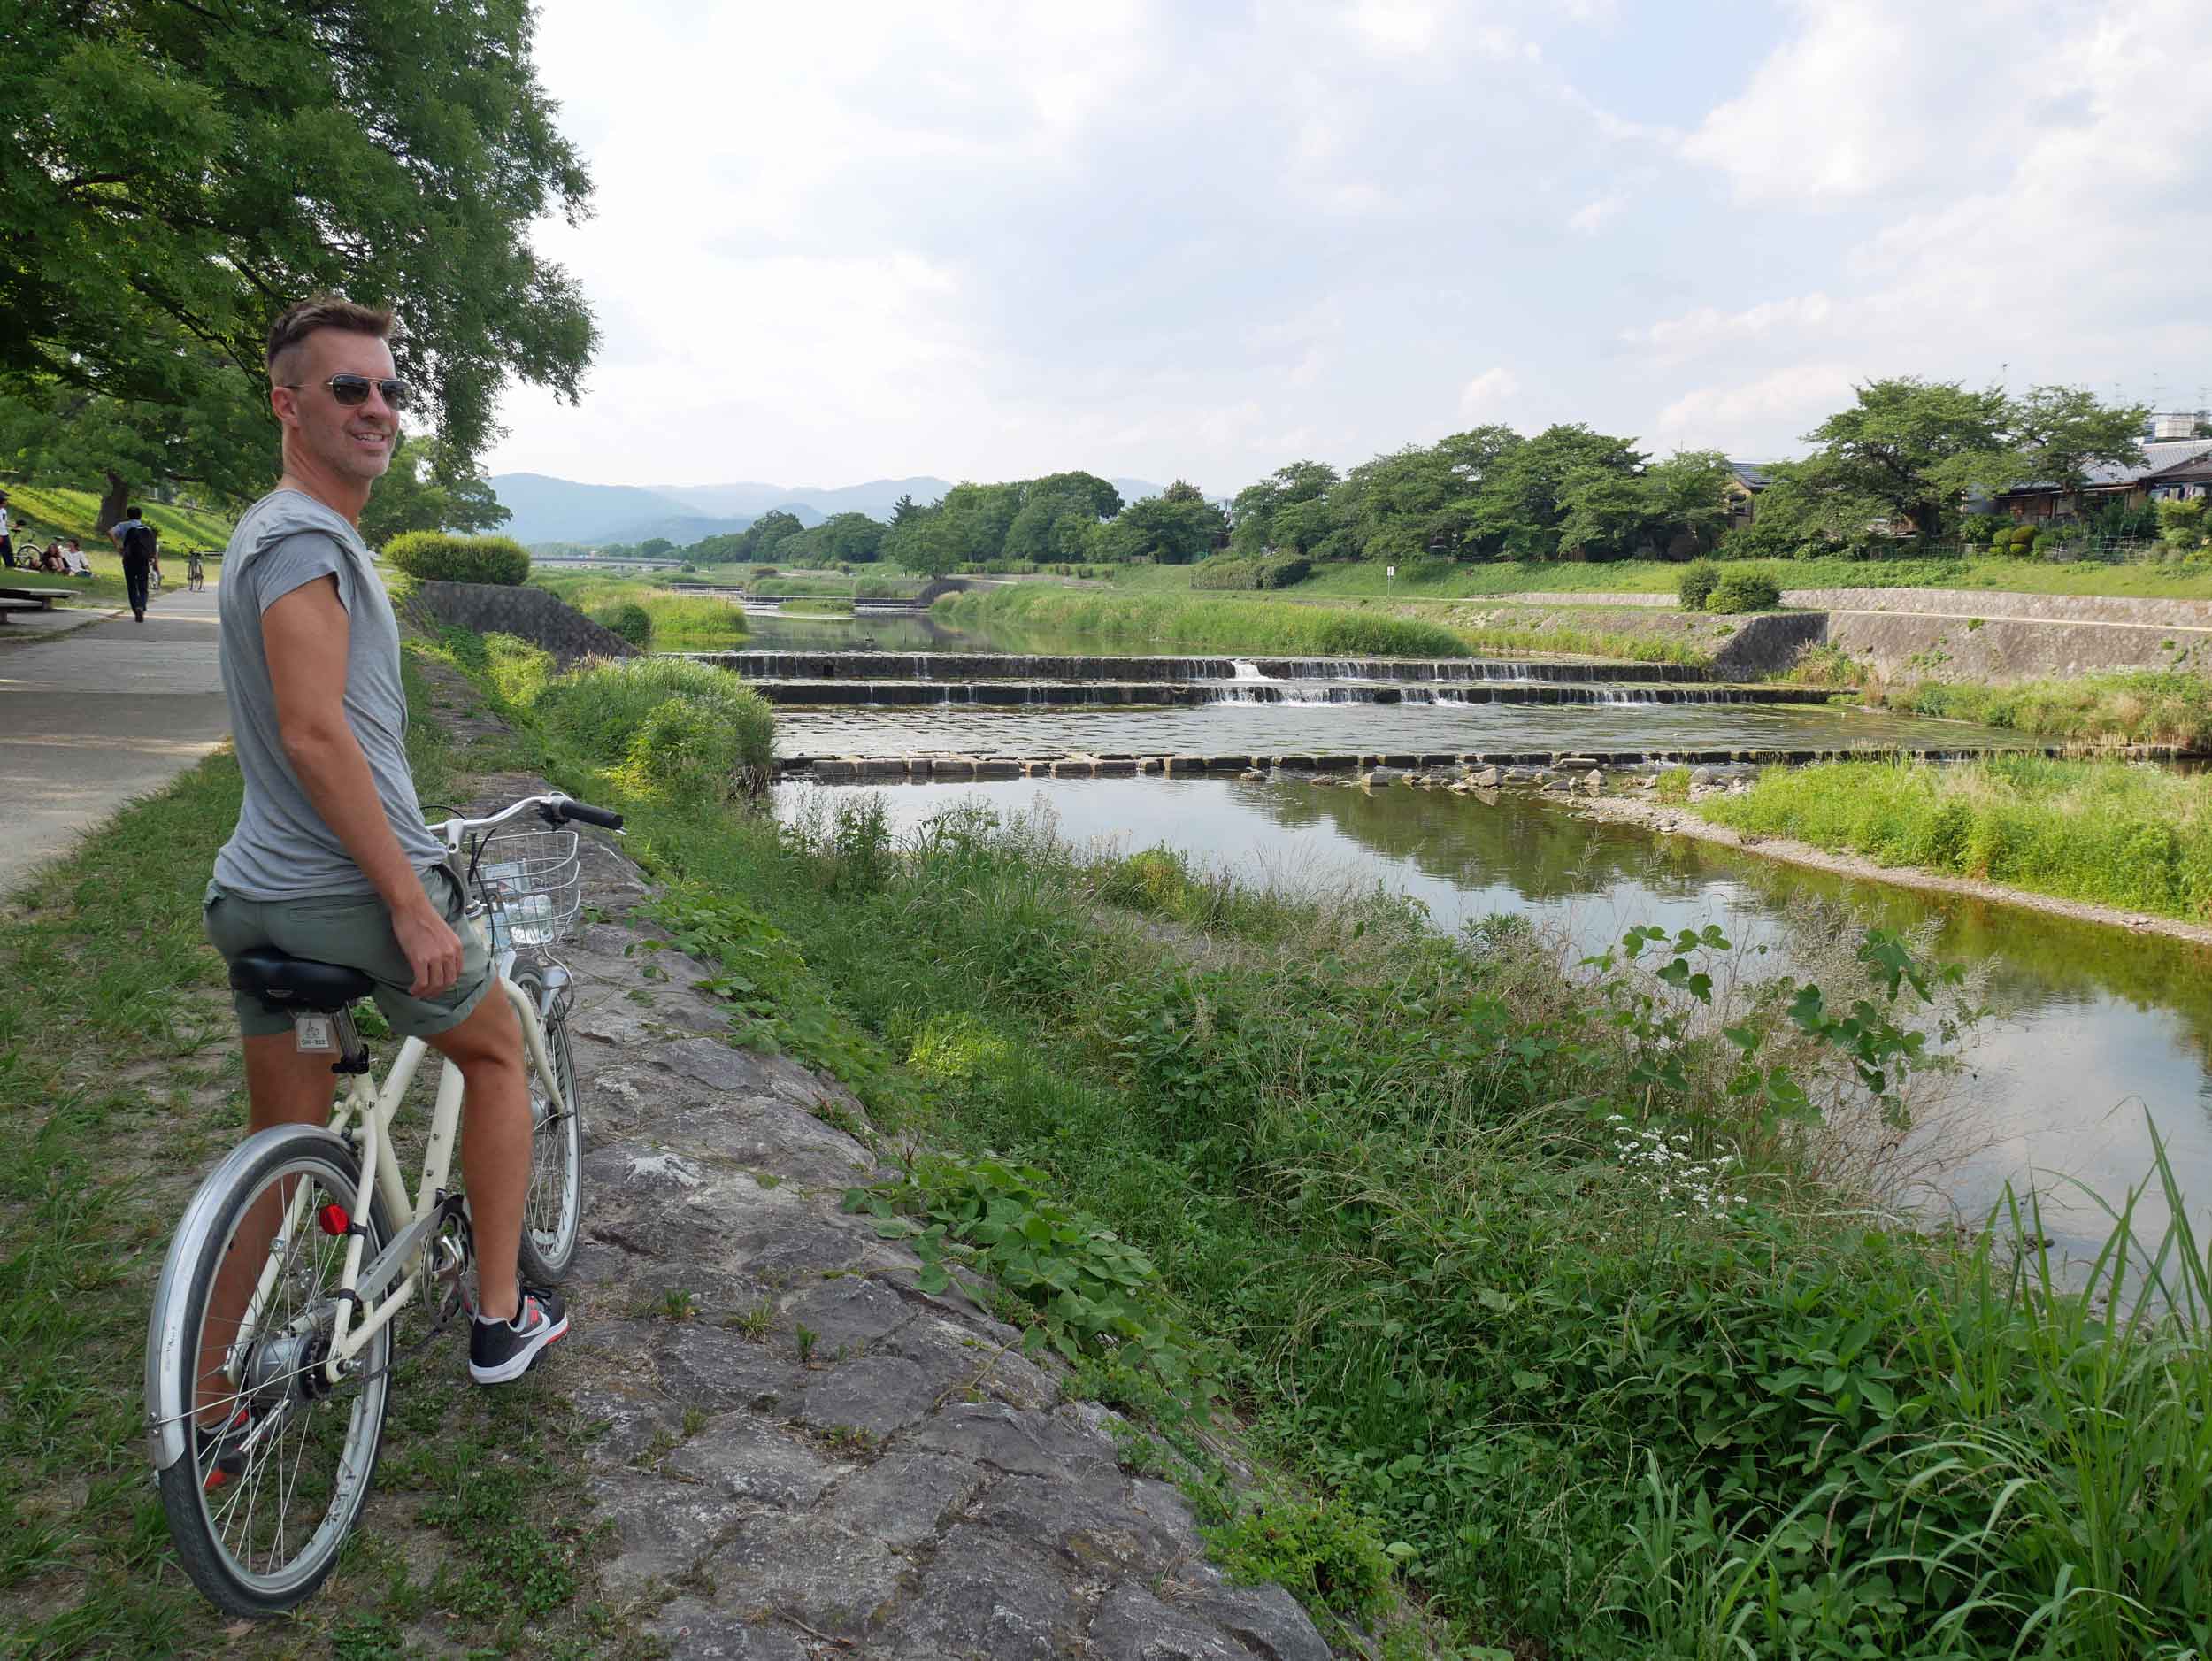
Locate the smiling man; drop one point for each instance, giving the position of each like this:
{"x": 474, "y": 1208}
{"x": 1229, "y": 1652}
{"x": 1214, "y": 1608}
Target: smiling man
{"x": 331, "y": 860}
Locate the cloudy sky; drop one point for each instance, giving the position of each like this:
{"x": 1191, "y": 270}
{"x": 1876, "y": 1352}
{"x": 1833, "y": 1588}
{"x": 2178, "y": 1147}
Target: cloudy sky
{"x": 849, "y": 241}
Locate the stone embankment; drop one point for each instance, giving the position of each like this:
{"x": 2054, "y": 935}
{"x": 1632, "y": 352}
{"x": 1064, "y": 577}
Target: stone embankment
{"x": 804, "y": 1455}
{"x": 1913, "y": 634}
{"x": 530, "y": 614}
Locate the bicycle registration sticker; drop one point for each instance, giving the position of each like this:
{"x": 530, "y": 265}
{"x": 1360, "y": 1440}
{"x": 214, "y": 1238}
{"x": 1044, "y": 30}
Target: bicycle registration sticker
{"x": 314, "y": 1034}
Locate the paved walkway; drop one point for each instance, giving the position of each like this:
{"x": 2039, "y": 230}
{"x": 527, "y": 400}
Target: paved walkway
{"x": 92, "y": 719}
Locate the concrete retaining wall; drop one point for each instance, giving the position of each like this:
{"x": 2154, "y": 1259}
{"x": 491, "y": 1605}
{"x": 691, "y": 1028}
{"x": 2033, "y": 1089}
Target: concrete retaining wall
{"x": 1984, "y": 602}
{"x": 1900, "y": 646}
{"x": 530, "y": 613}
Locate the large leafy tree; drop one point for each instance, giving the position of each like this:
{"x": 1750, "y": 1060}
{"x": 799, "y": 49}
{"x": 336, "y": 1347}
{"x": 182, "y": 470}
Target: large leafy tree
{"x": 1174, "y": 528}
{"x": 1911, "y": 448}
{"x": 1528, "y": 490}
{"x": 173, "y": 174}
{"x": 1057, "y": 514}
{"x": 2060, "y": 430}
{"x": 1259, "y": 507}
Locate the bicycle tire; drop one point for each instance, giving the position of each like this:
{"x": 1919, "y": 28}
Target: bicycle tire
{"x": 205, "y": 1521}
{"x": 552, "y": 1214}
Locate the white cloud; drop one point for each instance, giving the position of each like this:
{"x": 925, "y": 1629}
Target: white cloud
{"x": 1676, "y": 338}
{"x": 1745, "y": 416}
{"x": 1593, "y": 214}
{"x": 1488, "y": 392}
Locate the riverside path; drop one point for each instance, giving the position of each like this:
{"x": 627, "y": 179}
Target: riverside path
{"x": 94, "y": 717}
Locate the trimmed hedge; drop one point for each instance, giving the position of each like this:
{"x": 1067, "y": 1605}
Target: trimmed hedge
{"x": 1696, "y": 584}
{"x": 435, "y": 557}
{"x": 1229, "y": 571}
{"x": 1742, "y": 590}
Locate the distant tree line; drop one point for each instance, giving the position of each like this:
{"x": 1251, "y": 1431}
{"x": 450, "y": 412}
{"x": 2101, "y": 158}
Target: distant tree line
{"x": 1904, "y": 461}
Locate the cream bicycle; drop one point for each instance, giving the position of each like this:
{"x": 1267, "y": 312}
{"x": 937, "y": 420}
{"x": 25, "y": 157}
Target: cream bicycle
{"x": 265, "y": 1427}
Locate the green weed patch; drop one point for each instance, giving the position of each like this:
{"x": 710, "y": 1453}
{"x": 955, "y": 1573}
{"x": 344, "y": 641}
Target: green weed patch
{"x": 2143, "y": 706}
{"x": 1183, "y": 622}
{"x": 2111, "y": 833}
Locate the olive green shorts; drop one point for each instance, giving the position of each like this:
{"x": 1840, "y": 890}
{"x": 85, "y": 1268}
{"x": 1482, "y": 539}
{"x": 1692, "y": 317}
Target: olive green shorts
{"x": 356, "y": 930}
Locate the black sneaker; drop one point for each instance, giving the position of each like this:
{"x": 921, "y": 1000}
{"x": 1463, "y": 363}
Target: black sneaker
{"x": 221, "y": 1450}
{"x": 502, "y": 1351}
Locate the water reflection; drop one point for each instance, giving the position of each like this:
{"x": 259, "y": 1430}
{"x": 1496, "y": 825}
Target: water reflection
{"x": 2097, "y": 1025}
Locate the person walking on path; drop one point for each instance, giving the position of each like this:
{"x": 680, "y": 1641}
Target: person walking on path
{"x": 135, "y": 540}
{"x": 7, "y": 543}
{"x": 331, "y": 860}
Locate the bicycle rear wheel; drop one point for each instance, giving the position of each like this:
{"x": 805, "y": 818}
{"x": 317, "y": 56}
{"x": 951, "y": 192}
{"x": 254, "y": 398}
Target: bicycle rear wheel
{"x": 552, "y": 1215}
{"x": 277, "y": 1463}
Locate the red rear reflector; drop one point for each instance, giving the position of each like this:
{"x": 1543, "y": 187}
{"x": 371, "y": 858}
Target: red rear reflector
{"x": 334, "y": 1219}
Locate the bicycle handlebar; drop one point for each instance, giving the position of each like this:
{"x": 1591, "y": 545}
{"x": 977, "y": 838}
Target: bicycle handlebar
{"x": 555, "y": 809}
{"x": 565, "y": 809}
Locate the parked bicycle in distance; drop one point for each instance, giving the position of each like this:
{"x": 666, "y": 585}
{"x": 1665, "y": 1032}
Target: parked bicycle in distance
{"x": 265, "y": 1429}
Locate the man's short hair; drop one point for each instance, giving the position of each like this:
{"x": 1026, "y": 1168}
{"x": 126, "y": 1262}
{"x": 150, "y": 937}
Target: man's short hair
{"x": 131, "y": 512}
{"x": 297, "y": 322}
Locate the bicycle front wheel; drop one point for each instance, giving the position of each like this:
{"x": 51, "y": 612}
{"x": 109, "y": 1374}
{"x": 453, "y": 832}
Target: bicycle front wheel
{"x": 276, "y": 1462}
{"x": 552, "y": 1215}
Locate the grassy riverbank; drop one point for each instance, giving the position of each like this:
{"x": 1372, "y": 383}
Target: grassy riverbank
{"x": 1448, "y": 580}
{"x": 2109, "y": 833}
{"x": 2145, "y": 706}
{"x": 1517, "y": 1261}
{"x": 648, "y": 615}
{"x": 1185, "y": 623}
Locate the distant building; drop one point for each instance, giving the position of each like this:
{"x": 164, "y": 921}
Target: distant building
{"x": 1747, "y": 478}
{"x": 2170, "y": 468}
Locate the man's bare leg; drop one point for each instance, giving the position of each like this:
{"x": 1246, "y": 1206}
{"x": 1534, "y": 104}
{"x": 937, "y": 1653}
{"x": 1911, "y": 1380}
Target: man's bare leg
{"x": 494, "y": 1143}
{"x": 283, "y": 1087}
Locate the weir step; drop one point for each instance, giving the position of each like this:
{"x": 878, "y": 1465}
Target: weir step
{"x": 1015, "y": 694}
{"x": 1079, "y": 765}
{"x": 897, "y": 665}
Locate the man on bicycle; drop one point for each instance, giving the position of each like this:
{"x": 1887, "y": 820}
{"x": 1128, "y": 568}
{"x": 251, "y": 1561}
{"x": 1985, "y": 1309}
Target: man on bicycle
{"x": 331, "y": 860}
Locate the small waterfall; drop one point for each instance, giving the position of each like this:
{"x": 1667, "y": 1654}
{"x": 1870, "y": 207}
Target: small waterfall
{"x": 1244, "y": 669}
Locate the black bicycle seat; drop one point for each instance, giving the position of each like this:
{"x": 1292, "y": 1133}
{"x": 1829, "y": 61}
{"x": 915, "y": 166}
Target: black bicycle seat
{"x": 287, "y": 984}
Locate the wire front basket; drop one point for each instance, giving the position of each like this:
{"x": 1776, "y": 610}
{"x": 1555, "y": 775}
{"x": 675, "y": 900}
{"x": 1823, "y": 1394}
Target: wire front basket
{"x": 531, "y": 884}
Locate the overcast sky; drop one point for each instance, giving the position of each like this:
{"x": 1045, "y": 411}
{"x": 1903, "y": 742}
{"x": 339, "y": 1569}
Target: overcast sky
{"x": 849, "y": 241}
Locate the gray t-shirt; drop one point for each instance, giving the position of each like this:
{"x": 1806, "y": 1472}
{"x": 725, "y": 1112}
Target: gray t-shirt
{"x": 281, "y": 849}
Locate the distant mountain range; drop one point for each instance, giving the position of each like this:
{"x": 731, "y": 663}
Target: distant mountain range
{"x": 549, "y": 510}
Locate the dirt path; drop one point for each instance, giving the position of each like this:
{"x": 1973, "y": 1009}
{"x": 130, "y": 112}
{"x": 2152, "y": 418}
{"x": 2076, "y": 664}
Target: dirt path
{"x": 1682, "y": 821}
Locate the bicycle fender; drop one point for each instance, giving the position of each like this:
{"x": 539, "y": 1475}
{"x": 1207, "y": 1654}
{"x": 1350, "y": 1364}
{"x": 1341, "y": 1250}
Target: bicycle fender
{"x": 168, "y": 1396}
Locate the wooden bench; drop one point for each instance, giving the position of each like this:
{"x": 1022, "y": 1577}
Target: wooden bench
{"x": 35, "y": 599}
{"x": 8, "y": 607}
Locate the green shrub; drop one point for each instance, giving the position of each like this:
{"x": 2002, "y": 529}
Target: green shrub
{"x": 1285, "y": 570}
{"x": 434, "y": 557}
{"x": 2021, "y": 536}
{"x": 1745, "y": 590}
{"x": 680, "y": 727}
{"x": 627, "y": 619}
{"x": 1225, "y": 571}
{"x": 1697, "y": 583}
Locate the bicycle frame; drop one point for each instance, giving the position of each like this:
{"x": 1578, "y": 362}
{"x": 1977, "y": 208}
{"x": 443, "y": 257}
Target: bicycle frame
{"x": 362, "y": 1117}
{"x": 372, "y": 1110}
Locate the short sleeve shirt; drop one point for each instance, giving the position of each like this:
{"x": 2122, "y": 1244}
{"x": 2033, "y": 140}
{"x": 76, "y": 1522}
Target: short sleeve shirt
{"x": 281, "y": 849}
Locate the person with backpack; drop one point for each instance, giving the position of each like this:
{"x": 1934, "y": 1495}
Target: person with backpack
{"x": 136, "y": 538}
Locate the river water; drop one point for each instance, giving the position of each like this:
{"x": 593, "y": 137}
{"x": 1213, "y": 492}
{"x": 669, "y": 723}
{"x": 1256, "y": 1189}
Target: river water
{"x": 2097, "y": 1033}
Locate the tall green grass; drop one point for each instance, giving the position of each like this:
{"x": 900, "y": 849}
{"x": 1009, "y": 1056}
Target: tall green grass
{"x": 2110, "y": 832}
{"x": 1184, "y": 622}
{"x": 2141, "y": 706}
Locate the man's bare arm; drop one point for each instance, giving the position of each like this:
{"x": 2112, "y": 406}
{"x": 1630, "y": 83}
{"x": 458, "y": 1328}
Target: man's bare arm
{"x": 305, "y": 635}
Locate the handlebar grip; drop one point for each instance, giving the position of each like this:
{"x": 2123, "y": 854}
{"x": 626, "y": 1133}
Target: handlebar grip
{"x": 590, "y": 815}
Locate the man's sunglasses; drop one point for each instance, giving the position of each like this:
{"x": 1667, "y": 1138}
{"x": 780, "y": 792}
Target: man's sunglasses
{"x": 353, "y": 390}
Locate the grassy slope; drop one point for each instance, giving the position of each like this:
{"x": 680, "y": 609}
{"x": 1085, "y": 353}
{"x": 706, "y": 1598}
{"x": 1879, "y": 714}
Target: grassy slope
{"x": 46, "y": 511}
{"x": 1445, "y": 580}
{"x": 2109, "y": 833}
{"x": 2141, "y": 706}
